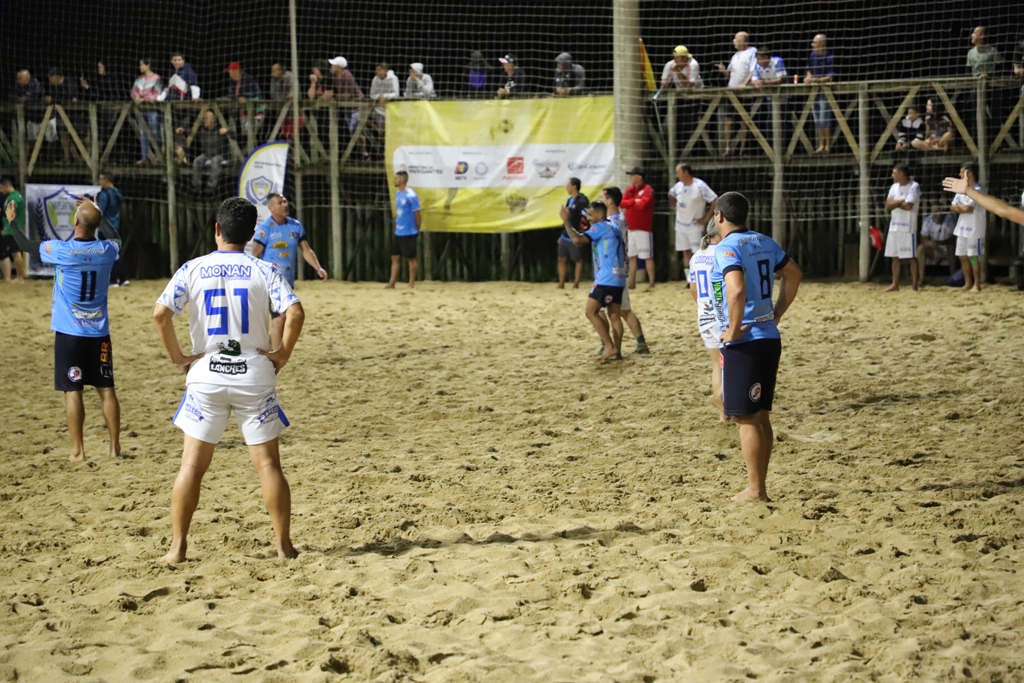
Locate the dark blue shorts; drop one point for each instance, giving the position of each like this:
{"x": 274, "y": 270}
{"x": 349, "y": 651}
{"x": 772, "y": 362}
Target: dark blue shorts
{"x": 606, "y": 295}
{"x": 81, "y": 361}
{"x": 748, "y": 376}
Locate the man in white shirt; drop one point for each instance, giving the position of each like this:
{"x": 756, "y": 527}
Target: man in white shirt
{"x": 739, "y": 71}
{"x": 970, "y": 228}
{"x": 901, "y": 243}
{"x": 682, "y": 71}
{"x": 232, "y": 367}
{"x": 694, "y": 202}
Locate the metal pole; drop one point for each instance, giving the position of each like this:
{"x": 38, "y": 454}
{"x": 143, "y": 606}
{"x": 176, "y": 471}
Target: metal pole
{"x": 94, "y": 144}
{"x": 506, "y": 256}
{"x": 778, "y": 203}
{"x": 172, "y": 216}
{"x": 629, "y": 131}
{"x": 670, "y": 123}
{"x": 337, "y": 263}
{"x": 296, "y": 113}
{"x": 982, "y": 126}
{"x": 21, "y": 132}
{"x": 864, "y": 208}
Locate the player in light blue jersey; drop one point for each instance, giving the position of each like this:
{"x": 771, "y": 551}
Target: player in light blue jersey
{"x": 742, "y": 282}
{"x": 611, "y": 196}
{"x": 278, "y": 241}
{"x": 610, "y": 270}
{"x": 82, "y": 351}
{"x": 408, "y": 219}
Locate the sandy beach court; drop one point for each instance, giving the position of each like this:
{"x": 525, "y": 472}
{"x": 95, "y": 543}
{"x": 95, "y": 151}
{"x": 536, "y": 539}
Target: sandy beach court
{"x": 476, "y": 500}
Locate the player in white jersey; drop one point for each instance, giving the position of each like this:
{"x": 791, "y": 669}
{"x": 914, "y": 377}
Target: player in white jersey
{"x": 970, "y": 230}
{"x": 232, "y": 366}
{"x": 695, "y": 204}
{"x": 901, "y": 243}
{"x": 701, "y": 265}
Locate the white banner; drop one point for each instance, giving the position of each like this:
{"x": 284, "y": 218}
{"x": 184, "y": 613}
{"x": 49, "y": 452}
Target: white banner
{"x": 50, "y": 213}
{"x": 263, "y": 174}
{"x": 504, "y": 166}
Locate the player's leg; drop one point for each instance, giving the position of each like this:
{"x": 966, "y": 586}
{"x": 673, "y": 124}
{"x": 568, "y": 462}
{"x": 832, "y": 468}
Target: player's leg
{"x": 112, "y": 416}
{"x": 649, "y": 265}
{"x": 5, "y": 268}
{"x": 923, "y": 251}
{"x": 601, "y": 325}
{"x": 412, "y": 271}
{"x": 578, "y": 259}
{"x": 716, "y": 382}
{"x": 895, "y": 275}
{"x": 396, "y": 266}
{"x": 631, "y": 283}
{"x": 976, "y": 271}
{"x": 638, "y": 332}
{"x": 752, "y": 445}
{"x": 965, "y": 267}
{"x": 277, "y": 495}
{"x": 915, "y": 274}
{"x": 615, "y": 318}
{"x": 76, "y": 419}
{"x": 195, "y": 460}
{"x": 19, "y": 264}
{"x": 562, "y": 266}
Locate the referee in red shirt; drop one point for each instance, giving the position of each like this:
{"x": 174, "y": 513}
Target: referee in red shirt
{"x": 638, "y": 205}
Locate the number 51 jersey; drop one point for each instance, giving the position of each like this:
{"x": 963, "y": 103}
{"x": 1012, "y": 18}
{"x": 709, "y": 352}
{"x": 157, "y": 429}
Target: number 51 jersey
{"x": 232, "y": 296}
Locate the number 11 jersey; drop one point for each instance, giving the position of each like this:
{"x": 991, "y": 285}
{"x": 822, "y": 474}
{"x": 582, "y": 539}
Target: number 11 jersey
{"x": 758, "y": 257}
{"x": 232, "y": 296}
{"x": 80, "y": 285}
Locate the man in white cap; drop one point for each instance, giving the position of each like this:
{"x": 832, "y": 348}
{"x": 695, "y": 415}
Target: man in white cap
{"x": 682, "y": 71}
{"x": 342, "y": 84}
{"x": 419, "y": 86}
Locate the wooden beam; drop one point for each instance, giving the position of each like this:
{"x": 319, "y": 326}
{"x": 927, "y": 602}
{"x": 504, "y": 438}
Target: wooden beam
{"x": 1007, "y": 125}
{"x": 315, "y": 144}
{"x": 893, "y": 122}
{"x": 144, "y": 129}
{"x": 845, "y": 127}
{"x": 363, "y": 120}
{"x": 94, "y": 144}
{"x": 235, "y": 149}
{"x": 957, "y": 121}
{"x": 7, "y": 148}
{"x": 751, "y": 125}
{"x": 280, "y": 122}
{"x": 712, "y": 106}
{"x": 39, "y": 140}
{"x": 798, "y": 129}
{"x": 117, "y": 131}
{"x": 195, "y": 127}
{"x": 86, "y": 157}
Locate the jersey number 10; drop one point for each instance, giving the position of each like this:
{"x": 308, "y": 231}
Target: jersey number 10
{"x": 209, "y": 296}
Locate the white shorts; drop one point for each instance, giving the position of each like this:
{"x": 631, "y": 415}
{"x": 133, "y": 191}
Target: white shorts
{"x": 901, "y": 245}
{"x": 711, "y": 337}
{"x": 624, "y": 306}
{"x": 641, "y": 244}
{"x": 204, "y": 410}
{"x": 969, "y": 246}
{"x": 688, "y": 237}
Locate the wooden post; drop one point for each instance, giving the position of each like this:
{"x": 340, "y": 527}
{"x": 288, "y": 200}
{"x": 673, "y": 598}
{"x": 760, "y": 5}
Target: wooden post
{"x": 337, "y": 258}
{"x": 864, "y": 205}
{"x": 428, "y": 259}
{"x": 981, "y": 123}
{"x": 670, "y": 122}
{"x": 94, "y": 144}
{"x": 778, "y": 201}
{"x": 296, "y": 115}
{"x": 172, "y": 217}
{"x": 628, "y": 85}
{"x": 21, "y": 133}
{"x": 506, "y": 256}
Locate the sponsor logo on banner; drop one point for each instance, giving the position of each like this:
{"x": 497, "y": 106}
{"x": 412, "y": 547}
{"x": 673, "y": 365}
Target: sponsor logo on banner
{"x": 585, "y": 166}
{"x": 263, "y": 174}
{"x": 515, "y": 168}
{"x": 418, "y": 169}
{"x": 480, "y": 169}
{"x": 258, "y": 189}
{"x": 461, "y": 168}
{"x": 546, "y": 168}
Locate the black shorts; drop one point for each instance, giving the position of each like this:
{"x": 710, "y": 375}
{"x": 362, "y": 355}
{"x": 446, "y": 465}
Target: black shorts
{"x": 748, "y": 376}
{"x": 404, "y": 246}
{"x": 81, "y": 361}
{"x": 9, "y": 247}
{"x": 606, "y": 295}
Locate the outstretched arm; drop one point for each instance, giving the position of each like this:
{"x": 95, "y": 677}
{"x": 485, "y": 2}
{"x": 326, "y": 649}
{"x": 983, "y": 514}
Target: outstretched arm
{"x": 987, "y": 202}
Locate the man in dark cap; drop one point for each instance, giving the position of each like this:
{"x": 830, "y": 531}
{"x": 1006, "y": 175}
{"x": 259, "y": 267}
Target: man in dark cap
{"x": 514, "y": 77}
{"x": 570, "y": 78}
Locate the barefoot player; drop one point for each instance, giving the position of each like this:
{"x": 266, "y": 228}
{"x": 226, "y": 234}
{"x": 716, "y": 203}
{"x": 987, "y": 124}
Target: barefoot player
{"x": 701, "y": 264}
{"x": 742, "y": 280}
{"x": 232, "y": 295}
{"x": 610, "y": 271}
{"x": 82, "y": 354}
{"x": 970, "y": 230}
{"x": 408, "y": 218}
{"x": 611, "y": 197}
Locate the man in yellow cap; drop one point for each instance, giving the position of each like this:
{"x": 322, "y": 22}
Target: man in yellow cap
{"x": 682, "y": 71}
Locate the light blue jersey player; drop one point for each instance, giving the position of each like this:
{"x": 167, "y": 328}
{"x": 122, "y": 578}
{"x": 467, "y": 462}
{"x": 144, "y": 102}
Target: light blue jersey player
{"x": 742, "y": 282}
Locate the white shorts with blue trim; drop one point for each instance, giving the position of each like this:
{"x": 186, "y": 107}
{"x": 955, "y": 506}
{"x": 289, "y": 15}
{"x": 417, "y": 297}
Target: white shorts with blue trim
{"x": 969, "y": 246}
{"x": 901, "y": 245}
{"x": 204, "y": 410}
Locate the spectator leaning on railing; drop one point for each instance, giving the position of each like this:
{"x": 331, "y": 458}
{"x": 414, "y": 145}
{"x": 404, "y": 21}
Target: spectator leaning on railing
{"x": 183, "y": 85}
{"x": 739, "y": 72}
{"x": 477, "y": 74}
{"x": 28, "y": 91}
{"x": 570, "y": 78}
{"x": 682, "y": 71}
{"x": 341, "y": 84}
{"x": 515, "y": 77}
{"x": 982, "y": 58}
{"x": 243, "y": 88}
{"x": 419, "y": 86}
{"x": 280, "y": 83}
{"x": 65, "y": 92}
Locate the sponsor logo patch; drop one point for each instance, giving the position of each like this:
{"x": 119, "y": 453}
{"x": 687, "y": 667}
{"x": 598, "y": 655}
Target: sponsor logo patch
{"x": 191, "y": 410}
{"x": 281, "y": 244}
{"x": 75, "y": 373}
{"x": 755, "y": 392}
{"x": 229, "y": 271}
{"x": 270, "y": 410}
{"x": 228, "y": 367}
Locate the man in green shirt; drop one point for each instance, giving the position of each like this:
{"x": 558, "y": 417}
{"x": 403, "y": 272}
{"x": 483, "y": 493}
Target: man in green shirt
{"x": 9, "y": 248}
{"x": 982, "y": 58}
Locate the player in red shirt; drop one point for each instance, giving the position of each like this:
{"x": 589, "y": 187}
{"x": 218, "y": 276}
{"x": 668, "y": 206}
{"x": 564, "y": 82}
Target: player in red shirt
{"x": 638, "y": 205}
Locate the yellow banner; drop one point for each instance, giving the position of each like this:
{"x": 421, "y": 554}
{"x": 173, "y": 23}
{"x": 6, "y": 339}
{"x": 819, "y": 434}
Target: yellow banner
{"x": 500, "y": 165}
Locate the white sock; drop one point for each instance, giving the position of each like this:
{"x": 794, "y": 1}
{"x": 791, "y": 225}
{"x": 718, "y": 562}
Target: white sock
{"x": 686, "y": 274}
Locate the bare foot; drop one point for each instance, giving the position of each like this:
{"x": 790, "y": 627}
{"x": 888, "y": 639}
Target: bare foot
{"x": 893, "y": 288}
{"x": 608, "y": 355}
{"x": 975, "y": 288}
{"x": 561, "y": 285}
{"x": 412, "y": 285}
{"x": 174, "y": 557}
{"x": 632, "y": 286}
{"x": 650, "y": 288}
{"x": 287, "y": 552}
{"x": 916, "y": 287}
{"x": 115, "y": 451}
{"x": 76, "y": 457}
{"x": 576, "y": 285}
{"x": 390, "y": 285}
{"x": 747, "y": 495}
{"x": 965, "y": 289}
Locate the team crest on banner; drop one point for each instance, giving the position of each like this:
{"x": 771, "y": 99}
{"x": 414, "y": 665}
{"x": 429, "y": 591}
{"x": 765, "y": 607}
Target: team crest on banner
{"x": 50, "y": 212}
{"x": 263, "y": 174}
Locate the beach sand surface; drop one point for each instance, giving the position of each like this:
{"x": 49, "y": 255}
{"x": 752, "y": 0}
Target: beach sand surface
{"x": 475, "y": 499}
